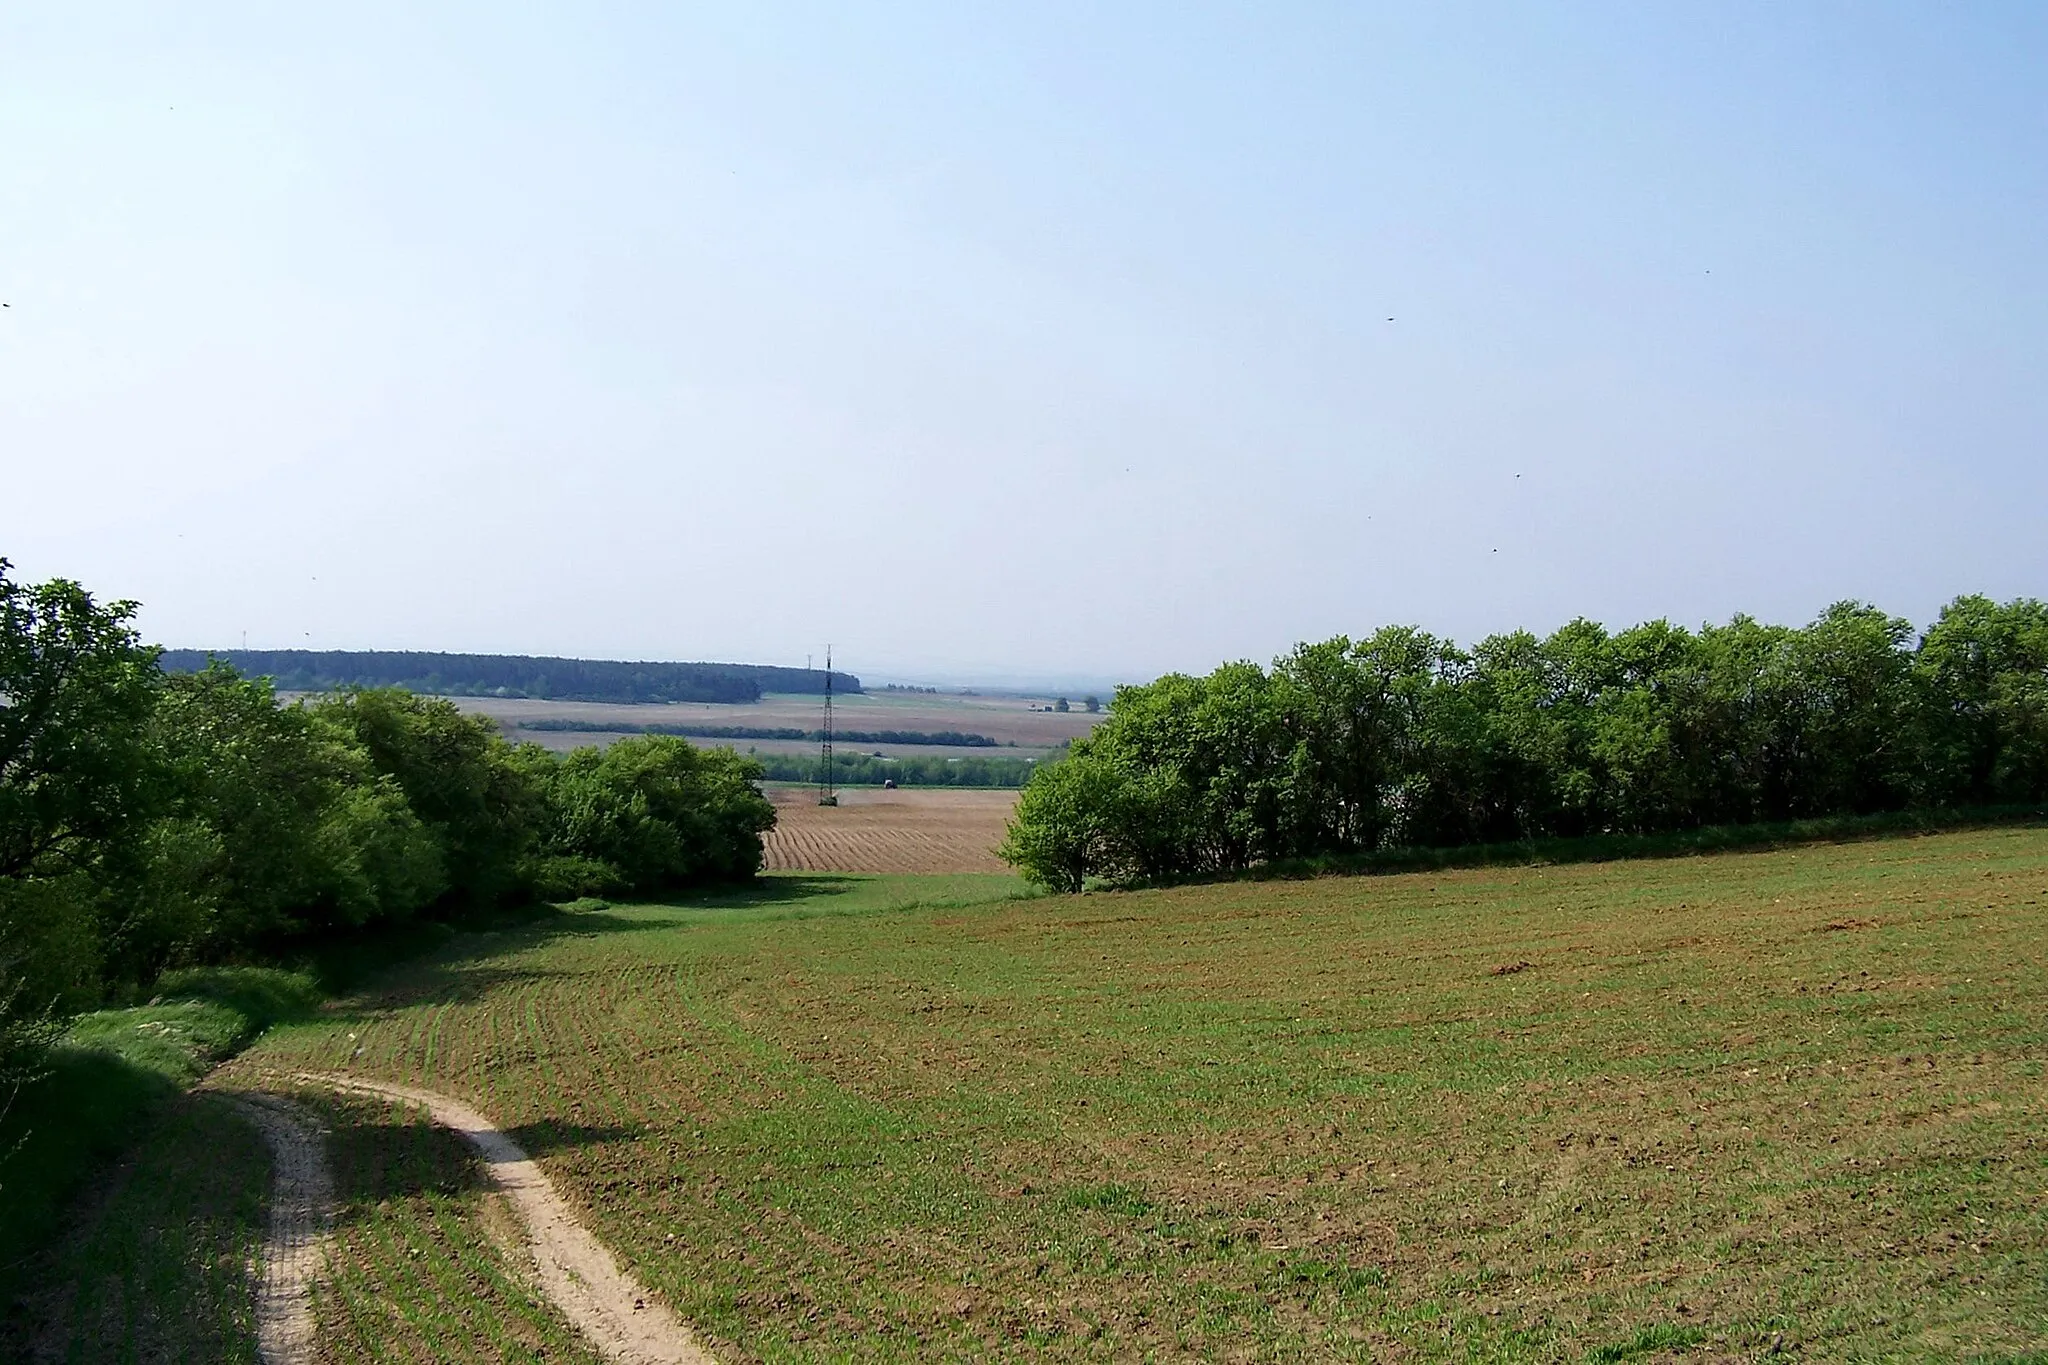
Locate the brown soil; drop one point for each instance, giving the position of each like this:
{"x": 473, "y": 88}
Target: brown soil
{"x": 907, "y": 830}
{"x": 1004, "y": 719}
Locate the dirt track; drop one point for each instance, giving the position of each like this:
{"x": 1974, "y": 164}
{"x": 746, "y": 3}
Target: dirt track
{"x": 301, "y": 1213}
{"x": 612, "y": 1309}
{"x": 615, "y": 1311}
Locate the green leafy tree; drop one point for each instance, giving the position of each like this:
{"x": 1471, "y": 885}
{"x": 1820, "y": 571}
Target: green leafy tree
{"x": 459, "y": 777}
{"x": 1982, "y": 672}
{"x": 659, "y": 813}
{"x": 1071, "y": 823}
{"x": 280, "y": 826}
{"x": 76, "y": 782}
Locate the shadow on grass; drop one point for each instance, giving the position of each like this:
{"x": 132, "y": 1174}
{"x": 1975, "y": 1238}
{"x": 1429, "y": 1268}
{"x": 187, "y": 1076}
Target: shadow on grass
{"x": 383, "y": 1150}
{"x": 85, "y": 1110}
{"x": 780, "y": 889}
{"x": 538, "y": 1139}
{"x": 152, "y": 1266}
{"x": 1604, "y": 848}
{"x": 438, "y": 963}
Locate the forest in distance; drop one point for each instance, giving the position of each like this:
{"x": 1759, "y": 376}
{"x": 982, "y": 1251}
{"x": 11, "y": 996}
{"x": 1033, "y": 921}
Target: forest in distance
{"x": 513, "y": 675}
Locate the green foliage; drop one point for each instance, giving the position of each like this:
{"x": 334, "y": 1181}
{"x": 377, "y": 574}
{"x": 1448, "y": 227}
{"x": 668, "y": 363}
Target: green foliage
{"x": 76, "y": 691}
{"x": 483, "y": 804}
{"x": 276, "y": 823}
{"x": 1404, "y": 741}
{"x": 660, "y": 813}
{"x": 1075, "y": 819}
{"x": 152, "y": 821}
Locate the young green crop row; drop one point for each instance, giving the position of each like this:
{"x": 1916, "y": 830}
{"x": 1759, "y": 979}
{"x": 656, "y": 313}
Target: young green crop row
{"x": 1544, "y": 1114}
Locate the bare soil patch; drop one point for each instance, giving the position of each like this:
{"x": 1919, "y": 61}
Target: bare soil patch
{"x": 927, "y": 829}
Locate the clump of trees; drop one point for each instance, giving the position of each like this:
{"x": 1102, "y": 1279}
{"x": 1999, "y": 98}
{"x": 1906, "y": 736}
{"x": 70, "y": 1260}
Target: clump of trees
{"x": 151, "y": 820}
{"x": 1405, "y": 740}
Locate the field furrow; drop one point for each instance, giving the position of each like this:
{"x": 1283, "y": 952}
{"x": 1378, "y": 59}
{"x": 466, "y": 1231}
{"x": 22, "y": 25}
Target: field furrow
{"x": 921, "y": 830}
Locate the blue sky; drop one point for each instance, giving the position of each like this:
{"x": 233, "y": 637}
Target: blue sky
{"x": 1082, "y": 341}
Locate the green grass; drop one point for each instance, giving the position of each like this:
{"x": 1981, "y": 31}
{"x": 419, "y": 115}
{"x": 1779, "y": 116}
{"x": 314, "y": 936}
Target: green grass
{"x": 156, "y": 1263}
{"x": 1795, "y": 1096}
{"x": 112, "y": 1074}
{"x": 1650, "y": 1341}
{"x": 164, "y": 1194}
{"x": 158, "y": 1241}
{"x": 114, "y": 1090}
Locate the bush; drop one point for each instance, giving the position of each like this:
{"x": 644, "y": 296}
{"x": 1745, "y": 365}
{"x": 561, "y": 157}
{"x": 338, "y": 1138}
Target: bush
{"x": 483, "y": 804}
{"x": 660, "y": 812}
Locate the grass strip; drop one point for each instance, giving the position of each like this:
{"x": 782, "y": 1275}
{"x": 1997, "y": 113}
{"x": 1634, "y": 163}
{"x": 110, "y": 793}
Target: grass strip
{"x": 108, "y": 1081}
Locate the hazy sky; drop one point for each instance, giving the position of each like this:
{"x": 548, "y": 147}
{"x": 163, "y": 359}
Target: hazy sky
{"x": 1086, "y": 340}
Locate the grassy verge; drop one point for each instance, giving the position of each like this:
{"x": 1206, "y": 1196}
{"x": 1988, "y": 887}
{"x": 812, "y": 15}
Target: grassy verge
{"x": 130, "y": 1204}
{"x": 109, "y": 1079}
{"x": 154, "y": 1261}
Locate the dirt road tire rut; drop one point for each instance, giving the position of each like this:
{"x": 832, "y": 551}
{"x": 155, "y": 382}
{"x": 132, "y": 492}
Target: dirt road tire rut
{"x": 608, "y": 1305}
{"x": 301, "y": 1216}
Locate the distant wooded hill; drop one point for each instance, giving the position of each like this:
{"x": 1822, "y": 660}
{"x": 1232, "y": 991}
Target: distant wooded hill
{"x": 511, "y": 675}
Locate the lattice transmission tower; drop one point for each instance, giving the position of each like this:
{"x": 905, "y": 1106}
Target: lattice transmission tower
{"x": 828, "y": 794}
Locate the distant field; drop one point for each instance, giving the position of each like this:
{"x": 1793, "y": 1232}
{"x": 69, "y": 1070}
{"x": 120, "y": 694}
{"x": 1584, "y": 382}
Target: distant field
{"x": 1008, "y": 721}
{"x": 937, "y": 829}
{"x": 1787, "y": 1105}
{"x": 563, "y": 741}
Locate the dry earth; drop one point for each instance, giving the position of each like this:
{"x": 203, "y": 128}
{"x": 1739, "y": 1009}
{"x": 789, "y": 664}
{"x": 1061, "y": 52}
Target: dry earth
{"x": 926, "y": 829}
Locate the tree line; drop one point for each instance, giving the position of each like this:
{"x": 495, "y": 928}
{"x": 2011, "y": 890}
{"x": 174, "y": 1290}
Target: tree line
{"x": 153, "y": 819}
{"x": 512, "y": 675}
{"x": 1404, "y": 740}
{"x": 865, "y": 770}
{"x": 952, "y": 738}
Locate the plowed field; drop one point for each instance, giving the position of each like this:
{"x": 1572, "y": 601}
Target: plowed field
{"x": 922, "y": 830}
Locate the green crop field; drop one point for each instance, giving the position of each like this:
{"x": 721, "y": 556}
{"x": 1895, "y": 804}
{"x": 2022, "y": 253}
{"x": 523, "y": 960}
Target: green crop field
{"x": 1701, "y": 1108}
